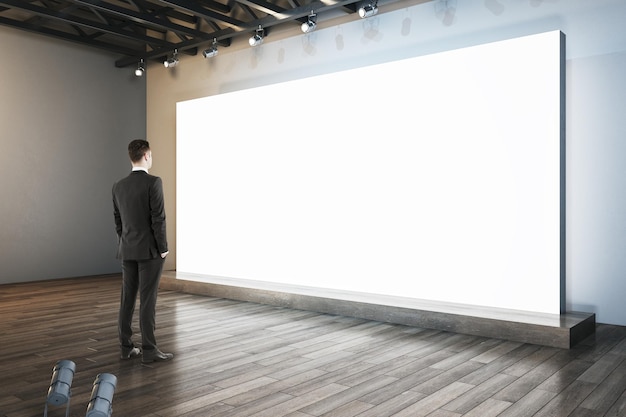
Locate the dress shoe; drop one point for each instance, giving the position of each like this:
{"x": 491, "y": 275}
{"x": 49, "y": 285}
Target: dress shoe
{"x": 156, "y": 356}
{"x": 133, "y": 353}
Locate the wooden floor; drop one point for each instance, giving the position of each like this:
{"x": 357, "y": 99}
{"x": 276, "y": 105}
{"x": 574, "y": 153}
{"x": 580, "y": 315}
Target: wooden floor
{"x": 244, "y": 359}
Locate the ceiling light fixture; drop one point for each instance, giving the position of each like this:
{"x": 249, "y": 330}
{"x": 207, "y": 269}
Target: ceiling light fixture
{"x": 368, "y": 10}
{"x": 212, "y": 51}
{"x": 140, "y": 69}
{"x": 310, "y": 24}
{"x": 257, "y": 38}
{"x": 173, "y": 61}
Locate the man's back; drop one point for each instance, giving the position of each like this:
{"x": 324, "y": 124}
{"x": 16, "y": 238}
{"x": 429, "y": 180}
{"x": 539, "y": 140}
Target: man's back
{"x": 140, "y": 216}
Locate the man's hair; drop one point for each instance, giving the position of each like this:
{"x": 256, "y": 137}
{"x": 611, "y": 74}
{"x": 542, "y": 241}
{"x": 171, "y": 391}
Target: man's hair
{"x": 137, "y": 148}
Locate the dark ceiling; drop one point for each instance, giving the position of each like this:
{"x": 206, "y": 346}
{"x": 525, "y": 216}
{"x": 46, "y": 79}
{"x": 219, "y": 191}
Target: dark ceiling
{"x": 153, "y": 29}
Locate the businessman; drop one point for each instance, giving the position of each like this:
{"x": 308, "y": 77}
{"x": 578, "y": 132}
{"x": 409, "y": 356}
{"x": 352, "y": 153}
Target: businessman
{"x": 139, "y": 213}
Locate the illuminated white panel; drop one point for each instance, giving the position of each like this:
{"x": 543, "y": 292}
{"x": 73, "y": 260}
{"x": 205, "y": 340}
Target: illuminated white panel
{"x": 433, "y": 178}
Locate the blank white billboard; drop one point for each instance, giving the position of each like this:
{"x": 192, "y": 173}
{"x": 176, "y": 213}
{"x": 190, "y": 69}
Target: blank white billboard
{"x": 436, "y": 178}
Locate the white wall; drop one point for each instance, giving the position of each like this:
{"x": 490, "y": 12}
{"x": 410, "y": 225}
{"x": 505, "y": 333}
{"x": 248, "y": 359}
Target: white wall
{"x": 66, "y": 117}
{"x": 595, "y": 101}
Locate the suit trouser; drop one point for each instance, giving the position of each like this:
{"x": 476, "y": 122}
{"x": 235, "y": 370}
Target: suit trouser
{"x": 139, "y": 277}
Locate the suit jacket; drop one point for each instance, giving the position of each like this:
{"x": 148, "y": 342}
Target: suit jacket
{"x": 139, "y": 212}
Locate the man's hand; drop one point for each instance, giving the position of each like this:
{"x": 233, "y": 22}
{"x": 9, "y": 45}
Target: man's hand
{"x": 164, "y": 254}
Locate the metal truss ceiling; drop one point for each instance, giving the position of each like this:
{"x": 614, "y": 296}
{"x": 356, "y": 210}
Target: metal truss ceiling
{"x": 153, "y": 29}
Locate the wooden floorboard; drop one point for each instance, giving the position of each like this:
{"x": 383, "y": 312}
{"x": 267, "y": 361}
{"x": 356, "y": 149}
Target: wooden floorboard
{"x": 236, "y": 359}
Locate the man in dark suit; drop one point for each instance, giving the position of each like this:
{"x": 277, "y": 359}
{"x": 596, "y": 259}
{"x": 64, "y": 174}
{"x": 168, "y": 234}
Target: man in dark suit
{"x": 139, "y": 213}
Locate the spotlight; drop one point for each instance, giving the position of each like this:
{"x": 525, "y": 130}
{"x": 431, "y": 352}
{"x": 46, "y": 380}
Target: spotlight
{"x": 368, "y": 10}
{"x": 62, "y": 375}
{"x": 59, "y": 391}
{"x": 257, "y": 38}
{"x": 173, "y": 61}
{"x": 140, "y": 69}
{"x": 212, "y": 51}
{"x": 310, "y": 24}
{"x": 102, "y": 396}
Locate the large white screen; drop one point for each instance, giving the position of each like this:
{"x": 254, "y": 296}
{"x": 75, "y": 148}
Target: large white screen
{"x": 435, "y": 178}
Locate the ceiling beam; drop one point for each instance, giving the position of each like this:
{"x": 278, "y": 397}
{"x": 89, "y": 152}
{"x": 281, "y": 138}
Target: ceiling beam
{"x": 263, "y": 6}
{"x": 74, "y": 20}
{"x": 142, "y": 18}
{"x": 38, "y": 29}
{"x": 198, "y": 10}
